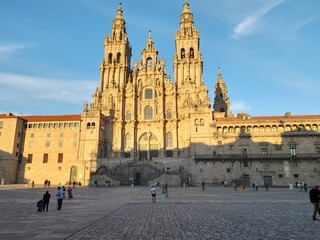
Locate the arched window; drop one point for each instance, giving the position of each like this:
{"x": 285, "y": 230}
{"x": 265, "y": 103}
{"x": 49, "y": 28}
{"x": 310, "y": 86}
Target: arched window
{"x": 93, "y": 125}
{"x": 110, "y": 58}
{"x": 118, "y": 57}
{"x": 148, "y": 113}
{"x": 196, "y": 122}
{"x": 201, "y": 122}
{"x": 149, "y": 62}
{"x": 169, "y": 139}
{"x": 183, "y": 53}
{"x": 88, "y": 125}
{"x": 222, "y": 110}
{"x": 127, "y": 142}
{"x": 148, "y": 93}
{"x": 191, "y": 53}
{"x": 169, "y": 114}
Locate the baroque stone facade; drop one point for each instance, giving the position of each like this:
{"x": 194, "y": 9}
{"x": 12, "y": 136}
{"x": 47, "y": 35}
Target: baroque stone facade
{"x": 142, "y": 126}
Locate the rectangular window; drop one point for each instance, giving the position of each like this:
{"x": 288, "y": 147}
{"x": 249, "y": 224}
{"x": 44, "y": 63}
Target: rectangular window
{"x": 61, "y": 134}
{"x": 29, "y": 159}
{"x": 264, "y": 149}
{"x": 75, "y": 144}
{"x": 128, "y": 116}
{"x": 18, "y": 145}
{"x": 231, "y": 147}
{"x": 1, "y": 124}
{"x": 45, "y": 158}
{"x": 31, "y": 144}
{"x": 60, "y": 144}
{"x": 169, "y": 114}
{"x": 60, "y": 157}
{"x": 169, "y": 153}
{"x": 245, "y": 163}
{"x": 244, "y": 153}
{"x": 75, "y": 134}
{"x": 148, "y": 93}
{"x": 19, "y": 134}
{"x": 48, "y": 135}
{"x": 47, "y": 144}
{"x": 296, "y": 175}
{"x": 280, "y": 175}
{"x": 293, "y": 150}
{"x": 32, "y": 135}
{"x": 318, "y": 148}
{"x": 17, "y": 154}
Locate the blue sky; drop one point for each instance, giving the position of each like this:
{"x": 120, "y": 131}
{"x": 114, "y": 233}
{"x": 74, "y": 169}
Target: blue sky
{"x": 268, "y": 50}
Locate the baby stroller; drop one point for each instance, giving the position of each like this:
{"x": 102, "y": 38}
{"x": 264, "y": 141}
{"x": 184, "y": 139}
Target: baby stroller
{"x": 40, "y": 205}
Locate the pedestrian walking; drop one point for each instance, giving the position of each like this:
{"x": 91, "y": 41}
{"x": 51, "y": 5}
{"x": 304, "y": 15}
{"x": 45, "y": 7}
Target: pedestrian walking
{"x": 46, "y": 199}
{"x": 70, "y": 194}
{"x": 202, "y": 183}
{"x": 64, "y": 192}
{"x": 314, "y": 196}
{"x": 153, "y": 194}
{"x": 267, "y": 187}
{"x": 59, "y": 195}
{"x": 32, "y": 184}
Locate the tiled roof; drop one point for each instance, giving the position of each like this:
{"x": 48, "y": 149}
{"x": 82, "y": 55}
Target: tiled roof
{"x": 48, "y": 118}
{"x": 51, "y": 118}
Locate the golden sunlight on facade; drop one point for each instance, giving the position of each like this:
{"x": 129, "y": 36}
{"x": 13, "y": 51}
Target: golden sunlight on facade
{"x": 144, "y": 126}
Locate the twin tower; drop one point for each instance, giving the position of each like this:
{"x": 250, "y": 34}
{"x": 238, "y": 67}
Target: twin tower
{"x": 139, "y": 112}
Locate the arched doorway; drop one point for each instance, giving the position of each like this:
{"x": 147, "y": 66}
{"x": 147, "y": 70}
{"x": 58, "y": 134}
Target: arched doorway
{"x": 148, "y": 146}
{"x": 73, "y": 174}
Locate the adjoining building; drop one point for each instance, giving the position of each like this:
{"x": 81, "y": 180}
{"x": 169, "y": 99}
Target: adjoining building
{"x": 141, "y": 127}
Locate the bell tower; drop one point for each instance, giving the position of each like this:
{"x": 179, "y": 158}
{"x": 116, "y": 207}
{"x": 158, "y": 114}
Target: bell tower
{"x": 221, "y": 101}
{"x": 187, "y": 59}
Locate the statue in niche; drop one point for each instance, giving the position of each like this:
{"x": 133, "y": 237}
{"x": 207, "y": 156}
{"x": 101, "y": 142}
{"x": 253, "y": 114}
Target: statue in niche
{"x": 110, "y": 102}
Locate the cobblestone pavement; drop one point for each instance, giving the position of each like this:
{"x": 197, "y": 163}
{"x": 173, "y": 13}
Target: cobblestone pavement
{"x": 128, "y": 213}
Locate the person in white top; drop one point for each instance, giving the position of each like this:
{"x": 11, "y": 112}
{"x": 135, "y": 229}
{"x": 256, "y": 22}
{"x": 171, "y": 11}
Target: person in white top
{"x": 153, "y": 194}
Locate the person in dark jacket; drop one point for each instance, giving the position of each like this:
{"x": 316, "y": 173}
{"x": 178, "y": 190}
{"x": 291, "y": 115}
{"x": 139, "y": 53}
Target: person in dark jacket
{"x": 46, "y": 199}
{"x": 314, "y": 196}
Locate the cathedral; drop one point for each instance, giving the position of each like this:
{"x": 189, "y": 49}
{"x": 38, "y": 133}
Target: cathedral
{"x": 145, "y": 126}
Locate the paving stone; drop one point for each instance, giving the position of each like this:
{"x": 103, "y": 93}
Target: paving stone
{"x": 128, "y": 213}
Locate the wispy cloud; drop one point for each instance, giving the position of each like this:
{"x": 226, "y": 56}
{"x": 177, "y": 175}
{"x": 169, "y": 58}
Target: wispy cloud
{"x": 239, "y": 107}
{"x": 305, "y": 22}
{"x": 8, "y": 49}
{"x": 15, "y": 86}
{"x": 249, "y": 24}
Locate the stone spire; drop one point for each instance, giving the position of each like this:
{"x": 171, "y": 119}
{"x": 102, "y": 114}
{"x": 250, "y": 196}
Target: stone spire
{"x": 186, "y": 18}
{"x": 221, "y": 101}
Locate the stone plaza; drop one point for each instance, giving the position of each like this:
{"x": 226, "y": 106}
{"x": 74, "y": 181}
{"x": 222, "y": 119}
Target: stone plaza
{"x": 128, "y": 213}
